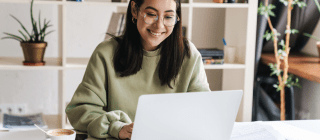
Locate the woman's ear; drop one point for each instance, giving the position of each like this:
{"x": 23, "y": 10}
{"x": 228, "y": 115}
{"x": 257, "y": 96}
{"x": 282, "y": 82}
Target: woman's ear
{"x": 134, "y": 10}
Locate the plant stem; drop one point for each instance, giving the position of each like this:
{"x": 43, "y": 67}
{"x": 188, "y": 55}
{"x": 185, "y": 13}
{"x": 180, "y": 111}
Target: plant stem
{"x": 286, "y": 65}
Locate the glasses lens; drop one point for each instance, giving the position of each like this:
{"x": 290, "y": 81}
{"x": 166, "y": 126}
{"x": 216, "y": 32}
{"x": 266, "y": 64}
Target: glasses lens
{"x": 167, "y": 20}
{"x": 150, "y": 18}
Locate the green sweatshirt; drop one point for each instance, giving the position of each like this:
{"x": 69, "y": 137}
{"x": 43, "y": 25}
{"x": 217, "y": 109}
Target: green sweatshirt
{"x": 104, "y": 102}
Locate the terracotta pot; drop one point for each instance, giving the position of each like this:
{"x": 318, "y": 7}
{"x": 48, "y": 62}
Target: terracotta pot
{"x": 218, "y": 1}
{"x": 33, "y": 53}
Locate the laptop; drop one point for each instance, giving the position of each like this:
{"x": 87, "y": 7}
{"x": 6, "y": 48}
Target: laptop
{"x": 186, "y": 116}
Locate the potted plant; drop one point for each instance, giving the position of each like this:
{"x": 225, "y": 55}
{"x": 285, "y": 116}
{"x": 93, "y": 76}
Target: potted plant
{"x": 281, "y": 53}
{"x": 311, "y": 36}
{"x": 33, "y": 44}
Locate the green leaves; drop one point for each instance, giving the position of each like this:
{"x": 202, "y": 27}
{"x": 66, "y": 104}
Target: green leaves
{"x": 311, "y": 36}
{"x": 281, "y": 52}
{"x": 266, "y": 10}
{"x": 277, "y": 87}
{"x": 37, "y": 34}
{"x": 281, "y": 43}
{"x": 291, "y": 82}
{"x": 292, "y": 31}
{"x": 270, "y": 35}
{"x": 267, "y": 35}
{"x": 301, "y": 4}
{"x": 285, "y": 2}
{"x": 274, "y": 70}
{"x": 317, "y": 3}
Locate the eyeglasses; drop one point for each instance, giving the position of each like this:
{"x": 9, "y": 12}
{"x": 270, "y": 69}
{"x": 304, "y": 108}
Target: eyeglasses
{"x": 168, "y": 21}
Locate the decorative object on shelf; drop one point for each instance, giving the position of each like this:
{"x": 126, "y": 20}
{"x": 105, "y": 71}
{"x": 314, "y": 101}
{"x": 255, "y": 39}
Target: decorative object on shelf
{"x": 116, "y": 25}
{"x": 231, "y": 1}
{"x": 33, "y": 45}
{"x": 281, "y": 54}
{"x": 218, "y": 1}
{"x": 311, "y": 36}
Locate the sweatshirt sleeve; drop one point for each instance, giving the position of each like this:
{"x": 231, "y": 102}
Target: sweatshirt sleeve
{"x": 86, "y": 110}
{"x": 198, "y": 81}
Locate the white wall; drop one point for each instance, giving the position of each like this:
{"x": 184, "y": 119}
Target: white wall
{"x": 308, "y": 97}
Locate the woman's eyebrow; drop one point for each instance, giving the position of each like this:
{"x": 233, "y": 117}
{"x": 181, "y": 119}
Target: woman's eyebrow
{"x": 149, "y": 7}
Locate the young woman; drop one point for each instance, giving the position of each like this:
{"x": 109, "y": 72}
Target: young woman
{"x": 151, "y": 57}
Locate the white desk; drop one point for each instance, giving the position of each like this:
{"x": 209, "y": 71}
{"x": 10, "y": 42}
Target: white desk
{"x": 296, "y": 129}
{"x": 277, "y": 130}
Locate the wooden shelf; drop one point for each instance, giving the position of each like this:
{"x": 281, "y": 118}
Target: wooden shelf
{"x": 301, "y": 65}
{"x": 77, "y": 63}
{"x": 15, "y": 63}
{"x": 225, "y": 66}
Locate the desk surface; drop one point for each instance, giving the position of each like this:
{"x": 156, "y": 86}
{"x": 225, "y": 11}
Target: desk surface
{"x": 304, "y": 66}
{"x": 312, "y": 126}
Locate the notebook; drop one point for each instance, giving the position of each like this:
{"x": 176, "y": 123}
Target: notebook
{"x": 186, "y": 116}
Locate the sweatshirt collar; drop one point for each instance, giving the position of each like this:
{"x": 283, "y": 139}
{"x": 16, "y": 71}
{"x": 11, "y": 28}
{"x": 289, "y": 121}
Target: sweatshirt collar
{"x": 152, "y": 53}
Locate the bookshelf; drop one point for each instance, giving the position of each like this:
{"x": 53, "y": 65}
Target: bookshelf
{"x": 238, "y": 27}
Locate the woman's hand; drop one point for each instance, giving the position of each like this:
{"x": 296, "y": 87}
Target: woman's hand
{"x": 126, "y": 131}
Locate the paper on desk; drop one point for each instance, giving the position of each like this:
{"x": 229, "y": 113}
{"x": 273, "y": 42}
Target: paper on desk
{"x": 294, "y": 133}
{"x": 255, "y": 131}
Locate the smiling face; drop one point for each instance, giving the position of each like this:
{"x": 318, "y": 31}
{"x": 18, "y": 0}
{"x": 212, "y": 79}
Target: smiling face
{"x": 153, "y": 34}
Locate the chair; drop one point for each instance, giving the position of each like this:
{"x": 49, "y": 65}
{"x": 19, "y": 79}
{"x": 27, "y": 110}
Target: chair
{"x": 266, "y": 100}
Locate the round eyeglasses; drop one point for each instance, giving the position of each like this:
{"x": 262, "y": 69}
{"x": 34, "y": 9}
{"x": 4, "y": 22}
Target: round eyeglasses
{"x": 168, "y": 21}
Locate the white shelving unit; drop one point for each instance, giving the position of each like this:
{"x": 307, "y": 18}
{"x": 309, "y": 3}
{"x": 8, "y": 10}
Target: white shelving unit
{"x": 238, "y": 75}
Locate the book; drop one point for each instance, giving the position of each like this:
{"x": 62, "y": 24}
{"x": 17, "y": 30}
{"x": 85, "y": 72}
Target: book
{"x": 21, "y": 122}
{"x": 184, "y": 31}
{"x": 212, "y": 53}
{"x": 211, "y": 61}
{"x": 116, "y": 22}
{"x": 122, "y": 25}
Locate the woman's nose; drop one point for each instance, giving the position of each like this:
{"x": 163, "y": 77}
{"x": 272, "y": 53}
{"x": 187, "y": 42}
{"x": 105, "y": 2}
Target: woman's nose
{"x": 159, "y": 23}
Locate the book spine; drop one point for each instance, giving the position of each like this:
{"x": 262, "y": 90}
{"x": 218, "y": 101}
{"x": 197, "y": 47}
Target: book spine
{"x": 123, "y": 23}
{"x": 212, "y": 56}
{"x": 212, "y": 61}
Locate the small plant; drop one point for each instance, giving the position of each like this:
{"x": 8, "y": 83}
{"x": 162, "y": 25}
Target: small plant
{"x": 37, "y": 34}
{"x": 309, "y": 35}
{"x": 281, "y": 53}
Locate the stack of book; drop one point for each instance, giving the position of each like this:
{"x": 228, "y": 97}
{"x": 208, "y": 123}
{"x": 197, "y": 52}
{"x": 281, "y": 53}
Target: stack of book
{"x": 212, "y": 56}
{"x": 116, "y": 25}
{"x": 21, "y": 122}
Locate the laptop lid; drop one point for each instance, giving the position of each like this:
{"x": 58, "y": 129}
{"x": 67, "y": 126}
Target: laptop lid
{"x": 186, "y": 116}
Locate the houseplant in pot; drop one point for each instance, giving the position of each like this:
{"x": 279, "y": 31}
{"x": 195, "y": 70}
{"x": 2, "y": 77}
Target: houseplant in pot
{"x": 33, "y": 44}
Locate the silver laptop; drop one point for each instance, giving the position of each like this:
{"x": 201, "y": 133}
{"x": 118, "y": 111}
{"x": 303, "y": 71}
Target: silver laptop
{"x": 186, "y": 116}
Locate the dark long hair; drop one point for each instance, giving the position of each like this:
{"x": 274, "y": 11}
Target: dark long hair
{"x": 129, "y": 53}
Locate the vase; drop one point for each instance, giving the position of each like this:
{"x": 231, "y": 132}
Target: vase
{"x": 33, "y": 53}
